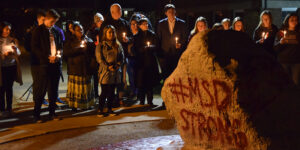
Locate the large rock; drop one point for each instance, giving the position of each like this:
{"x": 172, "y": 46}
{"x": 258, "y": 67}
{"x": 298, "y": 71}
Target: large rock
{"x": 227, "y": 93}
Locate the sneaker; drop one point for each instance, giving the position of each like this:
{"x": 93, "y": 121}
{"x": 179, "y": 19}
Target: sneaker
{"x": 111, "y": 113}
{"x": 60, "y": 101}
{"x": 45, "y": 102}
{"x": 100, "y": 115}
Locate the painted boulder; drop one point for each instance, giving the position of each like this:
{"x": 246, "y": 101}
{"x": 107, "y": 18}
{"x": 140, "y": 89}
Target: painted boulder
{"x": 228, "y": 93}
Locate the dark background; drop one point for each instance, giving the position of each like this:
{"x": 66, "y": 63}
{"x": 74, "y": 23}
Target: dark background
{"x": 22, "y": 13}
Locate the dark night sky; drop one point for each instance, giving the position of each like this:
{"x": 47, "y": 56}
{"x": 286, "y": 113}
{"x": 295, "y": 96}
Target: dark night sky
{"x": 141, "y": 4}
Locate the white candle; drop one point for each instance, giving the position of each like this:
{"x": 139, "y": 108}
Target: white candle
{"x": 58, "y": 54}
{"x": 284, "y": 33}
{"x": 263, "y": 35}
{"x": 124, "y": 34}
{"x": 148, "y": 44}
{"x": 176, "y": 40}
{"x": 82, "y": 44}
{"x": 267, "y": 35}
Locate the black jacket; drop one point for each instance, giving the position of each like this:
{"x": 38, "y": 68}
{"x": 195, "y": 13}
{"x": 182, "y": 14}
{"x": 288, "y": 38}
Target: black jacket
{"x": 40, "y": 45}
{"x": 93, "y": 33}
{"x": 146, "y": 68}
{"x": 166, "y": 40}
{"x": 121, "y": 26}
{"x": 80, "y": 61}
{"x": 268, "y": 43}
{"x": 289, "y": 52}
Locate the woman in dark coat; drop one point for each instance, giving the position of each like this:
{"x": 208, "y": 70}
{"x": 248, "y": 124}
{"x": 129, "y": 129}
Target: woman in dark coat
{"x": 287, "y": 46}
{"x": 265, "y": 33}
{"x": 147, "y": 74}
{"x": 81, "y": 63}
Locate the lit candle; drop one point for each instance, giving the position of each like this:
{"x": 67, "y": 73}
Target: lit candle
{"x": 148, "y": 44}
{"x": 58, "y": 54}
{"x": 124, "y": 34}
{"x": 284, "y": 33}
{"x": 266, "y": 35}
{"x": 176, "y": 40}
{"x": 82, "y": 44}
{"x": 263, "y": 35}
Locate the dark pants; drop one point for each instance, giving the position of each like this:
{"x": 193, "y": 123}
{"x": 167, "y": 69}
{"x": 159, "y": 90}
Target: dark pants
{"x": 107, "y": 92}
{"x": 168, "y": 65}
{"x": 45, "y": 79}
{"x": 96, "y": 83}
{"x": 6, "y": 90}
{"x": 142, "y": 94}
{"x": 294, "y": 72}
{"x": 131, "y": 74}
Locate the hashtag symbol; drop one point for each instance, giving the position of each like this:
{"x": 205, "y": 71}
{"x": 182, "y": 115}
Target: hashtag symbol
{"x": 178, "y": 90}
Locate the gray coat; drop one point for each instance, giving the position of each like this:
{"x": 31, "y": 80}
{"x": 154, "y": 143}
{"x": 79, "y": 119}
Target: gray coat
{"x": 108, "y": 55}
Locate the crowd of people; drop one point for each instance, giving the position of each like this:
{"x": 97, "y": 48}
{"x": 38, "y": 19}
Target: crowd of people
{"x": 114, "y": 50}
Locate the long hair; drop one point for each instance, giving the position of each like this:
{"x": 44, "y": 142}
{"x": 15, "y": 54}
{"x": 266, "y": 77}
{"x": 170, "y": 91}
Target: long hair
{"x": 265, "y": 12}
{"x": 3, "y": 25}
{"x": 115, "y": 41}
{"x": 285, "y": 24}
{"x": 202, "y": 19}
{"x": 236, "y": 19}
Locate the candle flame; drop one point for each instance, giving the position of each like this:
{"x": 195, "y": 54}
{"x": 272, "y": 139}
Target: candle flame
{"x": 82, "y": 44}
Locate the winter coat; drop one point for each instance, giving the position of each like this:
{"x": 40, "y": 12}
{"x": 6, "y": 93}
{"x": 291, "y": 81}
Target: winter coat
{"x": 146, "y": 69}
{"x": 109, "y": 55}
{"x": 121, "y": 26}
{"x": 269, "y": 35}
{"x": 14, "y": 58}
{"x": 289, "y": 52}
{"x": 81, "y": 61}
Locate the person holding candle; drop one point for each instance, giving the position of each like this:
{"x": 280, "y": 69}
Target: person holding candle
{"x": 200, "y": 26}
{"x": 110, "y": 56}
{"x": 10, "y": 68}
{"x": 45, "y": 43}
{"x": 265, "y": 33}
{"x": 168, "y": 30}
{"x": 238, "y": 24}
{"x": 81, "y": 64}
{"x": 287, "y": 46}
{"x": 144, "y": 49}
{"x": 131, "y": 59}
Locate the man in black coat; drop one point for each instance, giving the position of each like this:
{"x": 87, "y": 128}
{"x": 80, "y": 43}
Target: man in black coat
{"x": 121, "y": 25}
{"x": 46, "y": 47}
{"x": 172, "y": 39}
